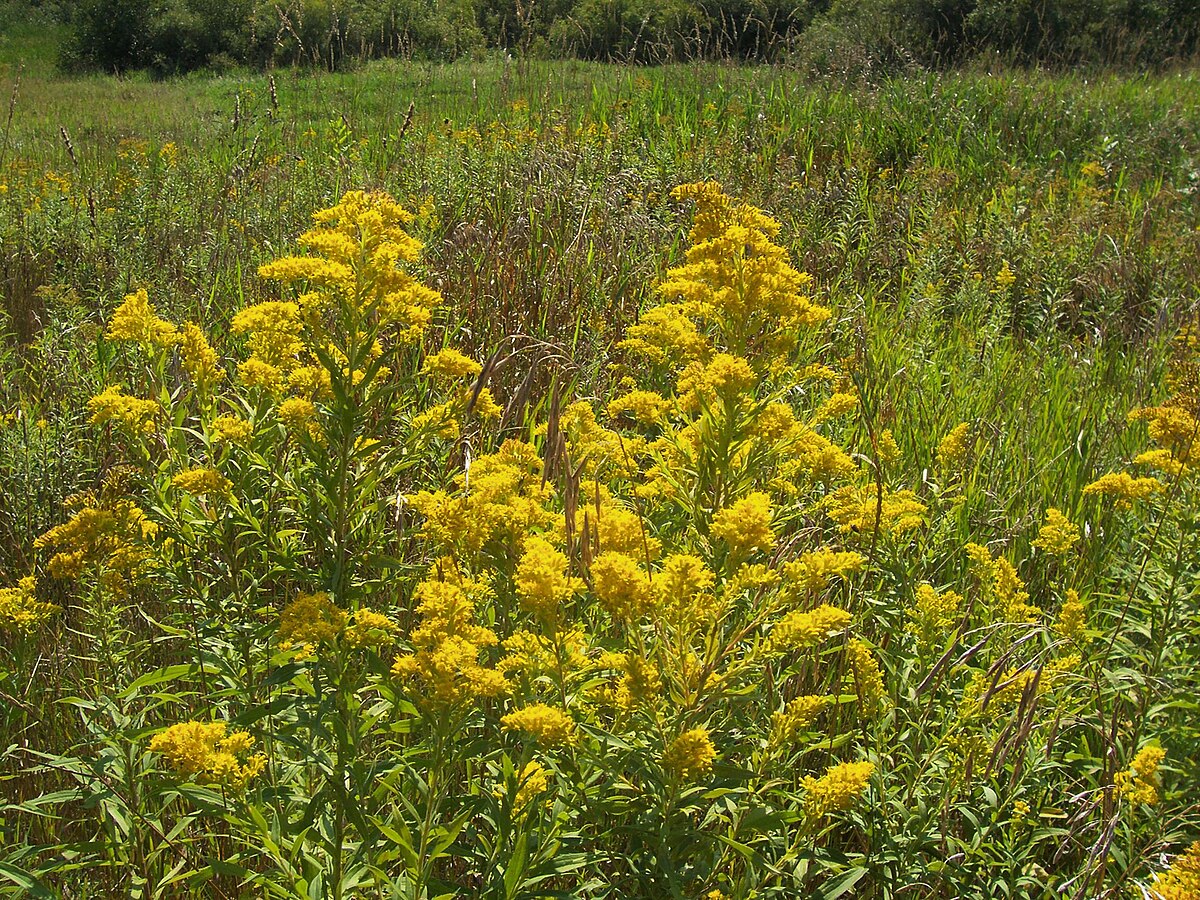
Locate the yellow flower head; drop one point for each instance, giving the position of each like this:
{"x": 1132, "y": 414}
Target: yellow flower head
{"x": 367, "y": 628}
{"x": 202, "y": 482}
{"x": 802, "y": 630}
{"x": 1123, "y": 488}
{"x": 309, "y": 620}
{"x": 549, "y": 726}
{"x": 1058, "y": 535}
{"x": 837, "y": 789}
{"x": 745, "y": 526}
{"x": 135, "y": 320}
{"x": 690, "y": 755}
{"x": 542, "y": 582}
{"x": 1140, "y": 782}
{"x": 20, "y": 610}
{"x": 206, "y": 751}
{"x": 128, "y": 413}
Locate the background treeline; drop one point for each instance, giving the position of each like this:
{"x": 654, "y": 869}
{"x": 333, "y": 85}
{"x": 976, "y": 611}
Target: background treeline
{"x": 171, "y": 36}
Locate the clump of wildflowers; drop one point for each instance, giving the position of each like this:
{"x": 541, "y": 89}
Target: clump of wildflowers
{"x": 1058, "y": 534}
{"x": 690, "y": 755}
{"x": 1182, "y": 880}
{"x": 206, "y": 751}
{"x": 549, "y": 726}
{"x": 131, "y": 414}
{"x": 1124, "y": 488}
{"x": 1140, "y": 783}
{"x": 745, "y": 525}
{"x": 837, "y": 789}
{"x": 20, "y": 610}
{"x": 135, "y": 320}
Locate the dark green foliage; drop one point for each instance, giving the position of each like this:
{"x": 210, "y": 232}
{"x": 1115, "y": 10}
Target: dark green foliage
{"x": 170, "y": 36}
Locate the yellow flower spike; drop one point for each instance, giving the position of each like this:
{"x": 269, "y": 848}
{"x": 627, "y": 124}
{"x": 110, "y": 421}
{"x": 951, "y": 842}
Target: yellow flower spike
{"x": 135, "y": 320}
{"x": 549, "y": 726}
{"x": 804, "y": 630}
{"x": 542, "y": 582}
{"x": 205, "y": 751}
{"x": 202, "y": 482}
{"x": 308, "y": 621}
{"x": 1123, "y": 488}
{"x": 230, "y": 430}
{"x": 130, "y": 414}
{"x": 1182, "y": 880}
{"x": 811, "y": 572}
{"x": 1139, "y": 784}
{"x": 837, "y": 789}
{"x": 1058, "y": 534}
{"x": 745, "y": 526}
{"x": 796, "y": 717}
{"x": 20, "y": 610}
{"x": 621, "y": 585}
{"x": 367, "y": 628}
{"x": 691, "y": 755}
{"x": 199, "y": 359}
{"x": 954, "y": 448}
{"x": 1072, "y": 618}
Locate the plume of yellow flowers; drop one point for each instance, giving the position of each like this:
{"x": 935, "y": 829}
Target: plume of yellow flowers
{"x": 1140, "y": 783}
{"x": 444, "y": 666}
{"x": 690, "y": 755}
{"x": 549, "y": 726}
{"x": 837, "y": 789}
{"x": 1182, "y": 880}
{"x": 20, "y": 610}
{"x": 206, "y": 751}
{"x": 1058, "y": 534}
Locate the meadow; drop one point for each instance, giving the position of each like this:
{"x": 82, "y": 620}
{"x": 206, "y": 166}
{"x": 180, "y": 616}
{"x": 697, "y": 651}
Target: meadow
{"x": 696, "y": 481}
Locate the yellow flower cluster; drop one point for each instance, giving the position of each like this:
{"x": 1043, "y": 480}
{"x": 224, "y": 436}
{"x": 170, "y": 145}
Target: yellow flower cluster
{"x": 796, "y": 717}
{"x": 531, "y": 782}
{"x": 745, "y": 525}
{"x": 837, "y": 789}
{"x": 1182, "y": 880}
{"x": 811, "y": 572}
{"x": 230, "y": 430}
{"x": 954, "y": 448}
{"x": 202, "y": 482}
{"x": 449, "y": 366}
{"x": 309, "y": 621}
{"x": 131, "y": 414}
{"x": 445, "y": 666}
{"x": 206, "y": 751}
{"x": 199, "y": 359}
{"x": 867, "y": 677}
{"x": 802, "y": 630}
{"x": 643, "y": 407}
{"x": 1058, "y": 535}
{"x": 361, "y": 249}
{"x": 1072, "y": 618}
{"x": 502, "y": 496}
{"x": 932, "y": 614}
{"x": 862, "y": 509}
{"x": 736, "y": 277}
{"x": 1140, "y": 783}
{"x": 20, "y": 610}
{"x": 998, "y": 576}
{"x": 542, "y": 581}
{"x": 135, "y": 320}
{"x": 549, "y": 726}
{"x": 1124, "y": 488}
{"x": 367, "y": 628}
{"x": 622, "y": 586}
{"x": 690, "y": 755}
{"x": 106, "y": 533}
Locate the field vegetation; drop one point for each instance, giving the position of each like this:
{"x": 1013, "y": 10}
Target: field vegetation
{"x": 551, "y": 479}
